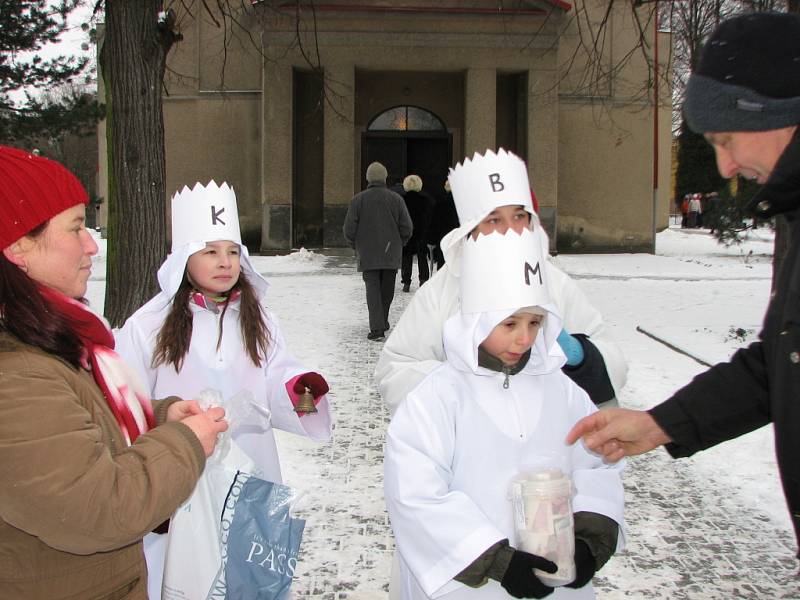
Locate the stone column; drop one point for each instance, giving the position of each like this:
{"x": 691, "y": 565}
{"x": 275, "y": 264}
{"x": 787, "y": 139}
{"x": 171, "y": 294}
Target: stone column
{"x": 543, "y": 145}
{"x": 339, "y": 152}
{"x": 276, "y": 157}
{"x": 480, "y": 121}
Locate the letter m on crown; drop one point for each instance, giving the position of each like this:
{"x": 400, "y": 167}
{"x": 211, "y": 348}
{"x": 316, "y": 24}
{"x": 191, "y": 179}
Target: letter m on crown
{"x": 529, "y": 270}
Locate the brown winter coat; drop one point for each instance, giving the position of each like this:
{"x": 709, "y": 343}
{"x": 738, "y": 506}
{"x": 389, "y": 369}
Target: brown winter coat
{"x": 75, "y": 501}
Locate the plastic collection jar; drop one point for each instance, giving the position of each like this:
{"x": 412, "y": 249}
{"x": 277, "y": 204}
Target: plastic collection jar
{"x": 542, "y": 502}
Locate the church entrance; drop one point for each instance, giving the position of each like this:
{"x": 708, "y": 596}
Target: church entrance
{"x": 409, "y": 140}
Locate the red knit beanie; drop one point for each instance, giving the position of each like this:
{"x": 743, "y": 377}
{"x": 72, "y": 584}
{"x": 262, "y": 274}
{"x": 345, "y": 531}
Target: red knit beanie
{"x": 33, "y": 189}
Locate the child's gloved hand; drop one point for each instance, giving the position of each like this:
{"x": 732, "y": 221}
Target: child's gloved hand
{"x": 314, "y": 382}
{"x": 585, "y": 565}
{"x": 572, "y": 347}
{"x": 521, "y": 582}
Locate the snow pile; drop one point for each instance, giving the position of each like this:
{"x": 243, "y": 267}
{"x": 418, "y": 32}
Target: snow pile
{"x": 299, "y": 261}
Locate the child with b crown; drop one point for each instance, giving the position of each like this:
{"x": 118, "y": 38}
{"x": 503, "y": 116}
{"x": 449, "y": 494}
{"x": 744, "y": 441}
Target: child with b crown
{"x": 210, "y": 329}
{"x": 495, "y": 412}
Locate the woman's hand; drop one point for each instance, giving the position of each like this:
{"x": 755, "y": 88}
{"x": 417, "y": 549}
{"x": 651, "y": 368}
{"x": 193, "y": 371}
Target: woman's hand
{"x": 206, "y": 426}
{"x": 178, "y": 411}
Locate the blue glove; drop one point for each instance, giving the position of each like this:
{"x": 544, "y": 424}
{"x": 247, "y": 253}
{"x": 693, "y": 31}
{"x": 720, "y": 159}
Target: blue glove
{"x": 571, "y": 347}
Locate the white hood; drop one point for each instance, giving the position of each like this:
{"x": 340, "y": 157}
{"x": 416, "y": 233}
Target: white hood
{"x": 463, "y": 333}
{"x": 170, "y": 273}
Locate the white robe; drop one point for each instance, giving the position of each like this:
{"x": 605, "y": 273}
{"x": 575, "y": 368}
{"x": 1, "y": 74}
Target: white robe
{"x": 414, "y": 347}
{"x": 228, "y": 370}
{"x": 455, "y": 444}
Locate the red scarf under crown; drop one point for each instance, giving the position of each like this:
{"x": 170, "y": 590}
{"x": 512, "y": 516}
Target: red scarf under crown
{"x": 124, "y": 392}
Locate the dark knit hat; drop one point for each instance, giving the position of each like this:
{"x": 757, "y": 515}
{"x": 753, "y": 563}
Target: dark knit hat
{"x": 748, "y": 76}
{"x": 33, "y": 189}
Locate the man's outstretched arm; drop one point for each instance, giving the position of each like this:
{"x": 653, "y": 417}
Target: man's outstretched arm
{"x": 618, "y": 432}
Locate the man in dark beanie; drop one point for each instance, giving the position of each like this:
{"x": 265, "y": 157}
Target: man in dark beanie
{"x": 377, "y": 225}
{"x": 744, "y": 97}
{"x": 745, "y": 93}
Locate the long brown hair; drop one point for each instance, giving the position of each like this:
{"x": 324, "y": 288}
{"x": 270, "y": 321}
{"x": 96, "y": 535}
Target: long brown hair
{"x": 26, "y": 315}
{"x": 172, "y": 342}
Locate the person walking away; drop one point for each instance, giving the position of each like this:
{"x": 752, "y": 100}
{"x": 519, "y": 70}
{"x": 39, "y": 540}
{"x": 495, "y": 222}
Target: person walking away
{"x": 88, "y": 464}
{"x": 695, "y": 210}
{"x": 685, "y": 211}
{"x": 377, "y": 225}
{"x": 420, "y": 209}
{"x": 748, "y": 109}
{"x": 499, "y": 393}
{"x": 209, "y": 328}
{"x": 397, "y": 187}
{"x": 443, "y": 221}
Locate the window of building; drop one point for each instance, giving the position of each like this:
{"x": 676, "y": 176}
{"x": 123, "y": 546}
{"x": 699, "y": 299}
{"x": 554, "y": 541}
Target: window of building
{"x": 406, "y": 118}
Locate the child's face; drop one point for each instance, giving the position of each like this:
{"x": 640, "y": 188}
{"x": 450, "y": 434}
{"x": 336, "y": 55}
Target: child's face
{"x": 503, "y": 218}
{"x": 513, "y": 337}
{"x": 215, "y": 269}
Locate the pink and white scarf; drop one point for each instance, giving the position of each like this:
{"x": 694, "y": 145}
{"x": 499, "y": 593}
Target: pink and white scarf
{"x": 121, "y": 386}
{"x": 213, "y": 303}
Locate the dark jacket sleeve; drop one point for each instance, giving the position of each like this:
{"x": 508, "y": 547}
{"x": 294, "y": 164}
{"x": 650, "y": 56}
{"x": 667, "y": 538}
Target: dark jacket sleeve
{"x": 728, "y": 400}
{"x": 591, "y": 375}
{"x": 350, "y": 225}
{"x": 404, "y": 222}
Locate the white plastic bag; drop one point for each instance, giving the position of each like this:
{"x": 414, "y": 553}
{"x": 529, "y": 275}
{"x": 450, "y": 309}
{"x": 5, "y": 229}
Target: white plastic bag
{"x": 196, "y": 553}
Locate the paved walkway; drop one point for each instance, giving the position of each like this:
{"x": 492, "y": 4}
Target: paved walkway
{"x": 687, "y": 538}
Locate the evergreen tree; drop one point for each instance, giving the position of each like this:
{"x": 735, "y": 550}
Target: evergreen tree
{"x": 25, "y": 28}
{"x": 726, "y": 214}
{"x": 697, "y": 166}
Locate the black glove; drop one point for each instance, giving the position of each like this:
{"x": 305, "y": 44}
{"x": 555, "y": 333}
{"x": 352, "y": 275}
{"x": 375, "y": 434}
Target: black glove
{"x": 585, "y": 565}
{"x": 521, "y": 582}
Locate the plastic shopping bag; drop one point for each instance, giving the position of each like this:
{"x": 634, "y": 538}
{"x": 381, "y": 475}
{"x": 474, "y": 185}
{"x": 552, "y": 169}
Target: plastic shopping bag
{"x": 234, "y": 538}
{"x": 260, "y": 541}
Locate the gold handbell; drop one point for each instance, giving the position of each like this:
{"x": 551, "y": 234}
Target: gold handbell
{"x": 306, "y": 403}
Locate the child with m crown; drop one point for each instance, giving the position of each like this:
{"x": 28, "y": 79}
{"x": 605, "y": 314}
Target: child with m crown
{"x": 492, "y": 193}
{"x": 210, "y": 329}
{"x": 498, "y": 407}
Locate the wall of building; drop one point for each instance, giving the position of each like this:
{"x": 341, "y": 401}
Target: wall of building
{"x": 443, "y": 62}
{"x": 606, "y": 198}
{"x": 218, "y": 137}
{"x": 589, "y": 148}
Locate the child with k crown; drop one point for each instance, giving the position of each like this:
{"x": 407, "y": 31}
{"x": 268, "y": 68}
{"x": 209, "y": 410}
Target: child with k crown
{"x": 498, "y": 407}
{"x": 209, "y": 328}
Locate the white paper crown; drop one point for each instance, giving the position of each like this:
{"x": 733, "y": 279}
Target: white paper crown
{"x": 482, "y": 184}
{"x": 502, "y": 271}
{"x": 204, "y": 214}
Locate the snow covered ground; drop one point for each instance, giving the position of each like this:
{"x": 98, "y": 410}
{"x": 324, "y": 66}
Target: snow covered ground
{"x": 713, "y": 526}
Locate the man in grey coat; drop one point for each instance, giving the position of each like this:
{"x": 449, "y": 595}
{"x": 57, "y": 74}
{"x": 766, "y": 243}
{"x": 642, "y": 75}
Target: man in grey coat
{"x": 377, "y": 225}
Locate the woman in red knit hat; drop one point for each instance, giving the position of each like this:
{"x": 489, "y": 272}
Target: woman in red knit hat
{"x": 88, "y": 465}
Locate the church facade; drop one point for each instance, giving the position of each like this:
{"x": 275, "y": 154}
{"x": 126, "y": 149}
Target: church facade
{"x": 289, "y": 102}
